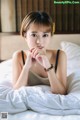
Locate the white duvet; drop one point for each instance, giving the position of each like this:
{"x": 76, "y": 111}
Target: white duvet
{"x": 38, "y": 98}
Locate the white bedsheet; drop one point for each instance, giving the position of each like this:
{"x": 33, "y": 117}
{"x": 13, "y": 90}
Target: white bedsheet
{"x": 31, "y": 115}
{"x": 40, "y": 91}
{"x": 40, "y": 99}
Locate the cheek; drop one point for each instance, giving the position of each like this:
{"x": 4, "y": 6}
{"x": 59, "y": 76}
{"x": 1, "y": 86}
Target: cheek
{"x": 30, "y": 43}
{"x": 46, "y": 42}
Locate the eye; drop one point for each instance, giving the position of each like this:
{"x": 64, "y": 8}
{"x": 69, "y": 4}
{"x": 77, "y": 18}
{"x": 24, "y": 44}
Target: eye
{"x": 33, "y": 35}
{"x": 45, "y": 35}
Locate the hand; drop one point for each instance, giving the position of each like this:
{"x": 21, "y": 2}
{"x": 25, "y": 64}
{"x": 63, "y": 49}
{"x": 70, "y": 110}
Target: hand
{"x": 30, "y": 60}
{"x": 40, "y": 56}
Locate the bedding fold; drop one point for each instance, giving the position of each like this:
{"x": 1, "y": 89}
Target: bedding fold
{"x": 38, "y": 98}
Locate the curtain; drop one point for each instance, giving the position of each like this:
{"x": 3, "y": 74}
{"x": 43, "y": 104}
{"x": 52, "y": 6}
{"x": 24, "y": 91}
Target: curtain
{"x": 65, "y": 16}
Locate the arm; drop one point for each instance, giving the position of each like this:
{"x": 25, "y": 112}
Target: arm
{"x": 19, "y": 72}
{"x": 58, "y": 81}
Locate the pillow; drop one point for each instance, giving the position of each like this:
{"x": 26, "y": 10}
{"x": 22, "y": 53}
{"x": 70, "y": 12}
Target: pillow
{"x": 6, "y": 73}
{"x": 72, "y": 51}
{"x": 74, "y": 82}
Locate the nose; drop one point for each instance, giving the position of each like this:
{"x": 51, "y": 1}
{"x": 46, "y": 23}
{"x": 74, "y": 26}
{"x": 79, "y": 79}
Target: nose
{"x": 38, "y": 41}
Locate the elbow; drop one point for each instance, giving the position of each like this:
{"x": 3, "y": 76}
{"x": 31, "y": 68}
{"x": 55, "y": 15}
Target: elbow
{"x": 60, "y": 91}
{"x": 15, "y": 87}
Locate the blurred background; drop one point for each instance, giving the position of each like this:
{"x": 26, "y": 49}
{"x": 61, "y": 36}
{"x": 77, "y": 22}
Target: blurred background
{"x": 66, "y": 17}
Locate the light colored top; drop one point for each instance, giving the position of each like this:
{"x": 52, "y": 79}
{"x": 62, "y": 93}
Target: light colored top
{"x": 35, "y": 79}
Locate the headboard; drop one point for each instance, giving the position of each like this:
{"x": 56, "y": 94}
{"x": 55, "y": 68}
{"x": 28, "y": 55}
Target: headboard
{"x": 10, "y": 43}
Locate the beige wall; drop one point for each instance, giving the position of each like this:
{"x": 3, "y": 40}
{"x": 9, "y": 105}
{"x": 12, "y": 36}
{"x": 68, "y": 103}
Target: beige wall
{"x": 8, "y": 22}
{"x": 10, "y": 43}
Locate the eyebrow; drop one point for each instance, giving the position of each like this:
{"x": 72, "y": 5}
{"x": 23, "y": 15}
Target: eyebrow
{"x": 34, "y": 32}
{"x": 42, "y": 32}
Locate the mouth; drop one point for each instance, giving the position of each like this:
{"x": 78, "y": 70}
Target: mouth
{"x": 40, "y": 47}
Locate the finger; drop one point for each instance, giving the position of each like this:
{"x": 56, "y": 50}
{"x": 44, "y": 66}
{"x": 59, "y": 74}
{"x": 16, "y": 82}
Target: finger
{"x": 35, "y": 52}
{"x": 38, "y": 56}
{"x": 35, "y": 48}
{"x": 31, "y": 49}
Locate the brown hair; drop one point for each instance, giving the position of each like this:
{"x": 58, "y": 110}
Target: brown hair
{"x": 38, "y": 18}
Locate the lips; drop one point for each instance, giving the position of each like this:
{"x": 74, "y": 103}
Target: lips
{"x": 40, "y": 47}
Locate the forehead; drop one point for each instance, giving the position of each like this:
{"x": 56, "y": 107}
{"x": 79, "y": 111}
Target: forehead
{"x": 39, "y": 28}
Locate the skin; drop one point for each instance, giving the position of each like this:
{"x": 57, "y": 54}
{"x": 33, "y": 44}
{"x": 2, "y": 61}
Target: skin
{"x": 37, "y": 58}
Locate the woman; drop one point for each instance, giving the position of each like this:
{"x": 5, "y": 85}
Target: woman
{"x": 38, "y": 65}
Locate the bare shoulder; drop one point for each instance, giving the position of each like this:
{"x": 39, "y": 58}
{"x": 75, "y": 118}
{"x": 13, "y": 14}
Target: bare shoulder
{"x": 53, "y": 53}
{"x": 61, "y": 53}
{"x": 62, "y": 60}
{"x": 17, "y": 56}
{"x": 62, "y": 56}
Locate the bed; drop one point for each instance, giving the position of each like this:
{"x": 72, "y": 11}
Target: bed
{"x": 68, "y": 43}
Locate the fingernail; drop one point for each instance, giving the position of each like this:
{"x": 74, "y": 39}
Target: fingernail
{"x": 31, "y": 49}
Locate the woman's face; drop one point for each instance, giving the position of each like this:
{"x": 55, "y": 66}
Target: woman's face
{"x": 38, "y": 36}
